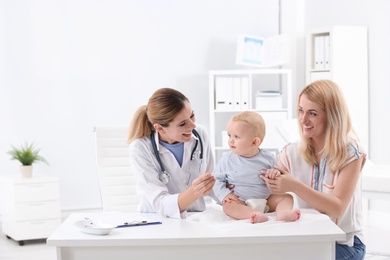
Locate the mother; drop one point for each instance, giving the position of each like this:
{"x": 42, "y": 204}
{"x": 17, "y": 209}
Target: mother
{"x": 323, "y": 169}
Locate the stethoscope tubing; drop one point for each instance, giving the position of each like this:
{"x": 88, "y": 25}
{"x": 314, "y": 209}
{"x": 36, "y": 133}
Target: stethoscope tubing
{"x": 163, "y": 175}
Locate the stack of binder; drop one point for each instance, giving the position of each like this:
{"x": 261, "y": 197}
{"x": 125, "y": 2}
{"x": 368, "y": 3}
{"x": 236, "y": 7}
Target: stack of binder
{"x": 232, "y": 93}
{"x": 321, "y": 52}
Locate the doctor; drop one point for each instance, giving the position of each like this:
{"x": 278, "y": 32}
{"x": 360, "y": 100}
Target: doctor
{"x": 170, "y": 156}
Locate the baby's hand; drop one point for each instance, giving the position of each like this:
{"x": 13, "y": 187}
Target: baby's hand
{"x": 271, "y": 173}
{"x": 229, "y": 198}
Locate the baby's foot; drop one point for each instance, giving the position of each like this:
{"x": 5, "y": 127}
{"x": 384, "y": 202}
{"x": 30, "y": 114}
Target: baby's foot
{"x": 289, "y": 215}
{"x": 258, "y": 217}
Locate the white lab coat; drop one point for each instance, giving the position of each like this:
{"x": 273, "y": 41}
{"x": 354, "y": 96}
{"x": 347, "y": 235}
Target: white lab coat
{"x": 153, "y": 194}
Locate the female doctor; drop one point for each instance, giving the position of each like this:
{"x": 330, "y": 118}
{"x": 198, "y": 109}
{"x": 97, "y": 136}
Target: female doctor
{"x": 170, "y": 156}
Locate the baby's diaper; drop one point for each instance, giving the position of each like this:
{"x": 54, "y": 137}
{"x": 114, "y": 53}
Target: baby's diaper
{"x": 258, "y": 204}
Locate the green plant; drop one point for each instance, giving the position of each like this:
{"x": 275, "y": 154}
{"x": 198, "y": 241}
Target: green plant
{"x": 27, "y": 154}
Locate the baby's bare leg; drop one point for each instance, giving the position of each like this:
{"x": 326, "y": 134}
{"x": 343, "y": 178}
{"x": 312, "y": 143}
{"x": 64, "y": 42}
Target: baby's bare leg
{"x": 282, "y": 204}
{"x": 258, "y": 217}
{"x": 238, "y": 210}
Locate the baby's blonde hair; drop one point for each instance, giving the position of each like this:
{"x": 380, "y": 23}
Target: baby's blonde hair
{"x": 255, "y": 120}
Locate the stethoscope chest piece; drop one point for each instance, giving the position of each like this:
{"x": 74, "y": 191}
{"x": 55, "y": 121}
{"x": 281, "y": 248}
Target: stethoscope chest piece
{"x": 164, "y": 177}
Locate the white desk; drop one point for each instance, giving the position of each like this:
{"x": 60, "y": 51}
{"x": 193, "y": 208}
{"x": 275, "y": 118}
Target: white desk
{"x": 312, "y": 237}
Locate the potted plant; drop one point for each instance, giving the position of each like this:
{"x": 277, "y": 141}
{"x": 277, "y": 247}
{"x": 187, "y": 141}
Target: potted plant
{"x": 27, "y": 155}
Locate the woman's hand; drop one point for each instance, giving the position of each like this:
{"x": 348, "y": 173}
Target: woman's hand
{"x": 203, "y": 184}
{"x": 278, "y": 180}
{"x": 271, "y": 173}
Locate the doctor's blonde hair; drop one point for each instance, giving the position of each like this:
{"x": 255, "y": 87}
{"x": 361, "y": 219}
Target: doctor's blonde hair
{"x": 162, "y": 108}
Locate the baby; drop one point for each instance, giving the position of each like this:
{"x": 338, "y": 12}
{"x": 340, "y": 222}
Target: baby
{"x": 241, "y": 167}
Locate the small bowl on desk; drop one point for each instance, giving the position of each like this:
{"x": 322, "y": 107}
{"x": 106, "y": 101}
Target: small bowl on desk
{"x": 94, "y": 227}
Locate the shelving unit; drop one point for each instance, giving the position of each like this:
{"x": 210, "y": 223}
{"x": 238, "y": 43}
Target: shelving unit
{"x": 271, "y": 88}
{"x": 30, "y": 207}
{"x": 346, "y": 55}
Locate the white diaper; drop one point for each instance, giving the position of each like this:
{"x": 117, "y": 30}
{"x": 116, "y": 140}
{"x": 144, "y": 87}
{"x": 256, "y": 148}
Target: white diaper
{"x": 258, "y": 204}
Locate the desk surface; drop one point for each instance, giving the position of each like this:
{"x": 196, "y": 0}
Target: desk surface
{"x": 206, "y": 229}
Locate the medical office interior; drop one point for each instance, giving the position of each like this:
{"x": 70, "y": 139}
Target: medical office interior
{"x": 68, "y": 66}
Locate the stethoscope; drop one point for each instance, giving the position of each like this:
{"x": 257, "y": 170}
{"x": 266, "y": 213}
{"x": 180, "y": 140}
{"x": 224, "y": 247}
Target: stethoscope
{"x": 163, "y": 175}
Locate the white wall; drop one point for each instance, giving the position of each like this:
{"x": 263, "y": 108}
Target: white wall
{"x": 293, "y": 23}
{"x": 68, "y": 65}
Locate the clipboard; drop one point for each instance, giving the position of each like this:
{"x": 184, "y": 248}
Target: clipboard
{"x": 138, "y": 223}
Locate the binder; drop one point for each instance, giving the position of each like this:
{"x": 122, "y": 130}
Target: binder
{"x": 315, "y": 51}
{"x": 326, "y": 52}
{"x": 236, "y": 93}
{"x": 319, "y": 52}
{"x": 220, "y": 93}
{"x": 229, "y": 93}
{"x": 244, "y": 93}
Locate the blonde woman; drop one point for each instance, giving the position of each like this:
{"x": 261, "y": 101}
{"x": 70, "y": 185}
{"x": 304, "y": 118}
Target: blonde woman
{"x": 324, "y": 168}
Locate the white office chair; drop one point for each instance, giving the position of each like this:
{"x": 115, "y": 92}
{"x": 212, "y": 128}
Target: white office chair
{"x": 289, "y": 130}
{"x": 116, "y": 181}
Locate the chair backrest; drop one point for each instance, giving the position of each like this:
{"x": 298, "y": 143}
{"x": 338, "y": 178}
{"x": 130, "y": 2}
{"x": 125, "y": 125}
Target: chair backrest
{"x": 289, "y": 130}
{"x": 116, "y": 181}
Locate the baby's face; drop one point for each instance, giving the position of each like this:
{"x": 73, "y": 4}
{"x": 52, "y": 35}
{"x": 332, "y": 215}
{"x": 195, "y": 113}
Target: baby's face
{"x": 241, "y": 138}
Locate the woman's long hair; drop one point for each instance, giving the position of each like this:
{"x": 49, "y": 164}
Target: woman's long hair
{"x": 330, "y": 98}
{"x": 162, "y": 108}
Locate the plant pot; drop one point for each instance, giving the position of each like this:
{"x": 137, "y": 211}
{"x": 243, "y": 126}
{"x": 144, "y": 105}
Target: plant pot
{"x": 26, "y": 171}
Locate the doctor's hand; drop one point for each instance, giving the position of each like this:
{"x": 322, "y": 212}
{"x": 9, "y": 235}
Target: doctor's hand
{"x": 203, "y": 184}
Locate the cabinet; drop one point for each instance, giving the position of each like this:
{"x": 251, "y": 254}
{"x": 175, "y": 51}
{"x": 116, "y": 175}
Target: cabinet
{"x": 30, "y": 206}
{"x": 343, "y": 51}
{"x": 266, "y": 91}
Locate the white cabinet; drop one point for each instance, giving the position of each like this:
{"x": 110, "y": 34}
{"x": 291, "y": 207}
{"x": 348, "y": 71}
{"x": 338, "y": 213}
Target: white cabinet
{"x": 266, "y": 91}
{"x": 340, "y": 53}
{"x": 30, "y": 206}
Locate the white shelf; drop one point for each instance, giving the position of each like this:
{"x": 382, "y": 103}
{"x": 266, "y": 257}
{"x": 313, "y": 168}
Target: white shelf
{"x": 278, "y": 80}
{"x": 255, "y": 110}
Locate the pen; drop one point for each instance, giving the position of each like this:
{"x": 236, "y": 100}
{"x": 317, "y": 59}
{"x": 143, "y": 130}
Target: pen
{"x": 138, "y": 223}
